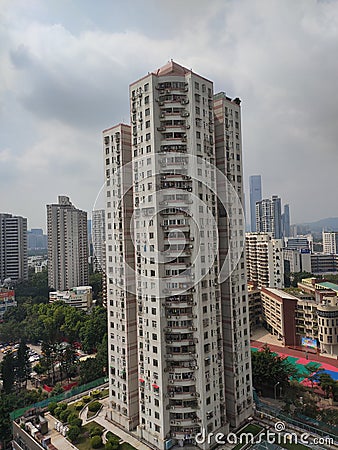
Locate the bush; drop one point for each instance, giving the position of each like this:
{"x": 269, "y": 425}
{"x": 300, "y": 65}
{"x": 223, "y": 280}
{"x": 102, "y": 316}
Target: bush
{"x": 73, "y": 433}
{"x": 94, "y": 407}
{"x": 57, "y": 412}
{"x": 96, "y": 431}
{"x": 78, "y": 406}
{"x": 96, "y": 442}
{"x": 86, "y": 398}
{"x": 113, "y": 440}
{"x": 64, "y": 415}
{"x": 109, "y": 446}
{"x": 63, "y": 406}
{"x": 96, "y": 394}
{"x": 74, "y": 419}
{"x": 52, "y": 407}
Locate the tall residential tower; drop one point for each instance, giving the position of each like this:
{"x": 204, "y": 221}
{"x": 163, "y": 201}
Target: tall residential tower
{"x": 13, "y": 248}
{"x": 178, "y": 340}
{"x": 67, "y": 245}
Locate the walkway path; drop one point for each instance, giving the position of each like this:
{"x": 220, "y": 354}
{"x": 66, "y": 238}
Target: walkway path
{"x": 109, "y": 426}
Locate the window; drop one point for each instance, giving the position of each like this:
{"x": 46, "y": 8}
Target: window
{"x": 148, "y": 137}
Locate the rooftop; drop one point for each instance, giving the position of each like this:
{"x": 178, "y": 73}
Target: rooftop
{"x": 329, "y": 285}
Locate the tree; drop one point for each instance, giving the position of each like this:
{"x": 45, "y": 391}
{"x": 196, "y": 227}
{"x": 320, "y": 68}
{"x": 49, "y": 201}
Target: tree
{"x": 5, "y": 421}
{"x": 268, "y": 369}
{"x": 298, "y": 277}
{"x": 327, "y": 384}
{"x": 96, "y": 442}
{"x": 94, "y": 329}
{"x": 95, "y": 281}
{"x": 22, "y": 365}
{"x": 73, "y": 433}
{"x": 8, "y": 372}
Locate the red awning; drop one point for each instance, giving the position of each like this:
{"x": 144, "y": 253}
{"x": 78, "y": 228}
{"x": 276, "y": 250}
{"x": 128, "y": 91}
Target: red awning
{"x": 141, "y": 380}
{"x": 155, "y": 386}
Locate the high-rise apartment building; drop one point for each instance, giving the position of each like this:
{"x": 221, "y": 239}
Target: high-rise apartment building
{"x": 255, "y": 187}
{"x": 286, "y": 228}
{"x": 330, "y": 242}
{"x": 265, "y": 263}
{"x": 67, "y": 245}
{"x": 179, "y": 350}
{"x": 269, "y": 217}
{"x": 123, "y": 321}
{"x": 99, "y": 240}
{"x": 13, "y": 248}
{"x": 234, "y": 295}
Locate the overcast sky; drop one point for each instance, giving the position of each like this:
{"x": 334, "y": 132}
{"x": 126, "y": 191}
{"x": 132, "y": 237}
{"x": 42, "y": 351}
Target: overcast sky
{"x": 66, "y": 66}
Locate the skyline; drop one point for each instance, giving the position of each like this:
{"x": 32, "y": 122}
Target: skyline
{"x": 66, "y": 71}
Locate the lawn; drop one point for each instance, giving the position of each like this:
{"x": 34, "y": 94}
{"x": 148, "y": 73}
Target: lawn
{"x": 84, "y": 442}
{"x": 252, "y": 429}
{"x": 126, "y": 446}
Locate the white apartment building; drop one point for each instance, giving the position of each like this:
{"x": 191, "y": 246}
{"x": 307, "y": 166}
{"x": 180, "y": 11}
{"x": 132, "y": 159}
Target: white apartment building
{"x": 13, "y": 248}
{"x": 330, "y": 242}
{"x": 67, "y": 245}
{"x": 120, "y": 266}
{"x": 80, "y": 297}
{"x": 99, "y": 240}
{"x": 170, "y": 321}
{"x": 265, "y": 264}
{"x": 234, "y": 295}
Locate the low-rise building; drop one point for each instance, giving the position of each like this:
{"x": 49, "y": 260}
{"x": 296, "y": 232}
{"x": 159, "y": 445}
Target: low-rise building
{"x": 296, "y": 260}
{"x": 7, "y": 301}
{"x": 324, "y": 263}
{"x": 279, "y": 312}
{"x": 32, "y": 432}
{"x": 80, "y": 297}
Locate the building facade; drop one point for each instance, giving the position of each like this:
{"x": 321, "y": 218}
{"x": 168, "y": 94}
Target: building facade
{"x": 265, "y": 264}
{"x": 255, "y": 187}
{"x": 278, "y": 313}
{"x": 67, "y": 245}
{"x": 13, "y": 248}
{"x": 80, "y": 297}
{"x": 161, "y": 182}
{"x": 330, "y": 242}
{"x": 99, "y": 240}
{"x": 234, "y": 295}
{"x": 124, "y": 371}
{"x": 269, "y": 217}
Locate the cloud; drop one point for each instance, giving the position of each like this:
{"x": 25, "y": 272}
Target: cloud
{"x": 65, "y": 77}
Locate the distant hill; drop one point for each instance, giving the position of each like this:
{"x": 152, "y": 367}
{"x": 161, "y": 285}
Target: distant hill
{"x": 329, "y": 224}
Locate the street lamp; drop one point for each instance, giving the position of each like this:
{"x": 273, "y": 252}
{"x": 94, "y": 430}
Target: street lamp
{"x": 275, "y": 389}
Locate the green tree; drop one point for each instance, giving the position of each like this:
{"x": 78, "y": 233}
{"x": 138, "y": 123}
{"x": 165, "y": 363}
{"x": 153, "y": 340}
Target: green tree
{"x": 327, "y": 384}
{"x": 94, "y": 329}
{"x": 268, "y": 369}
{"x": 96, "y": 442}
{"x": 8, "y": 372}
{"x": 22, "y": 365}
{"x": 73, "y": 433}
{"x": 299, "y": 276}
